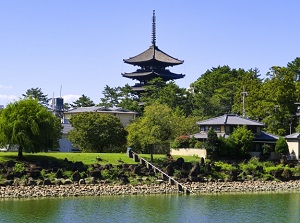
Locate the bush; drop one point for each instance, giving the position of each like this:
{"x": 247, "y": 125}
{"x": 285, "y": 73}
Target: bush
{"x": 281, "y": 146}
{"x": 19, "y": 168}
{"x": 181, "y": 142}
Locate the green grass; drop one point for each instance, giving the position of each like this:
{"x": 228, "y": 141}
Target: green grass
{"x": 87, "y": 158}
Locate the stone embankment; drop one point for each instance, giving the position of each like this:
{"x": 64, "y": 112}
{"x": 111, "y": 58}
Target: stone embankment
{"x": 162, "y": 188}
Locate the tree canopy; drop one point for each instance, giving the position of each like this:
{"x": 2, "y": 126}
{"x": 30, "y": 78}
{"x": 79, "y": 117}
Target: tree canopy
{"x": 158, "y": 126}
{"x": 37, "y": 93}
{"x": 29, "y": 126}
{"x": 83, "y": 101}
{"x": 94, "y": 132}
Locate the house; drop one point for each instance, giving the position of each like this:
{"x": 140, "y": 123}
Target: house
{"x": 124, "y": 115}
{"x": 293, "y": 142}
{"x": 224, "y": 125}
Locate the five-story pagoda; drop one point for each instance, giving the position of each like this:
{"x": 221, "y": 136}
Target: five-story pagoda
{"x": 152, "y": 63}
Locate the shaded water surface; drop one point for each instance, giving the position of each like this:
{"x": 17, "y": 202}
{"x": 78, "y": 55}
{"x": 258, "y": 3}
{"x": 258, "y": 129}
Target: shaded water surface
{"x": 255, "y": 207}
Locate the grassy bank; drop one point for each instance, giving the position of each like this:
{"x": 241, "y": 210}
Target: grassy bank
{"x": 86, "y": 158}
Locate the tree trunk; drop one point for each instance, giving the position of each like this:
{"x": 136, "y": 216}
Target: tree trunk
{"x": 151, "y": 153}
{"x": 20, "y": 154}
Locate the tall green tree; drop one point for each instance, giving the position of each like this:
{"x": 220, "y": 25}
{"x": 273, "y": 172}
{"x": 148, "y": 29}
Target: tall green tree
{"x": 158, "y": 126}
{"x": 278, "y": 105}
{"x": 37, "y": 93}
{"x": 94, "y": 132}
{"x": 214, "y": 91}
{"x": 212, "y": 144}
{"x": 111, "y": 97}
{"x": 170, "y": 94}
{"x": 29, "y": 126}
{"x": 83, "y": 101}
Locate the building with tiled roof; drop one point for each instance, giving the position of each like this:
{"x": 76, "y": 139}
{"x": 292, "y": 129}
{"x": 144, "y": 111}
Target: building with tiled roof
{"x": 224, "y": 125}
{"x": 153, "y": 63}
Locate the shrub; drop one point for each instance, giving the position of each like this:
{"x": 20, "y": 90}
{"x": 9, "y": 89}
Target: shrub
{"x": 225, "y": 166}
{"x": 181, "y": 142}
{"x": 281, "y": 146}
{"x": 198, "y": 144}
{"x": 19, "y": 167}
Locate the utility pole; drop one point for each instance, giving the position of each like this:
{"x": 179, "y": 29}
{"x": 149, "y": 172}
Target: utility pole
{"x": 244, "y": 93}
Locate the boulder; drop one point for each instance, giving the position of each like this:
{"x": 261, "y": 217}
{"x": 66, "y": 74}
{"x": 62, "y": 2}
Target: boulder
{"x": 76, "y": 176}
{"x": 137, "y": 170}
{"x": 95, "y": 173}
{"x": 170, "y": 170}
{"x": 47, "y": 182}
{"x": 59, "y": 174}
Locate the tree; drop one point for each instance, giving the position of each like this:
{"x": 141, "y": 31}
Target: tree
{"x": 212, "y": 143}
{"x": 94, "y": 132}
{"x": 242, "y": 139}
{"x": 111, "y": 97}
{"x": 83, "y": 101}
{"x": 159, "y": 92}
{"x": 30, "y": 126}
{"x": 36, "y": 93}
{"x": 279, "y": 100}
{"x": 281, "y": 146}
{"x": 158, "y": 126}
{"x": 214, "y": 91}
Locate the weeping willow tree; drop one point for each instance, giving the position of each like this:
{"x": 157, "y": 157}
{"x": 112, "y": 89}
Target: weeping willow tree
{"x": 29, "y": 126}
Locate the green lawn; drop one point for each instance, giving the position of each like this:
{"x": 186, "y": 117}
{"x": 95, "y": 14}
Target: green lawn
{"x": 86, "y": 158}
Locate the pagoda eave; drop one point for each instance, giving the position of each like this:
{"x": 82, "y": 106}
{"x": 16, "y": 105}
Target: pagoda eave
{"x": 152, "y": 74}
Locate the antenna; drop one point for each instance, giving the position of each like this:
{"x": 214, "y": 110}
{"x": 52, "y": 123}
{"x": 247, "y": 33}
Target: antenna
{"x": 244, "y": 93}
{"x": 60, "y": 90}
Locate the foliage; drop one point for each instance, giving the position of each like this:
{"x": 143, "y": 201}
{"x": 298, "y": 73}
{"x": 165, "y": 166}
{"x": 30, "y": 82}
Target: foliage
{"x": 83, "y": 101}
{"x": 36, "y": 93}
{"x": 281, "y": 146}
{"x": 225, "y": 166}
{"x": 111, "y": 173}
{"x": 94, "y": 132}
{"x": 30, "y": 126}
{"x": 157, "y": 128}
{"x": 212, "y": 144}
{"x": 242, "y": 139}
{"x": 19, "y": 167}
{"x": 182, "y": 142}
{"x": 158, "y": 91}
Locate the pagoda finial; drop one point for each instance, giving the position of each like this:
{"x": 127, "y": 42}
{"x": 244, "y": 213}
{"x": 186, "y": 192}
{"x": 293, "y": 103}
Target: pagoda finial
{"x": 153, "y": 29}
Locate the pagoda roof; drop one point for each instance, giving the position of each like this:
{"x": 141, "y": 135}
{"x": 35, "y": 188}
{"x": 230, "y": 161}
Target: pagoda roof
{"x": 153, "y": 55}
{"x": 141, "y": 75}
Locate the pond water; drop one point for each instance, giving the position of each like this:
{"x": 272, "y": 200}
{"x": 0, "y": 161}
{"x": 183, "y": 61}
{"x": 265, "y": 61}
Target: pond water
{"x": 252, "y": 207}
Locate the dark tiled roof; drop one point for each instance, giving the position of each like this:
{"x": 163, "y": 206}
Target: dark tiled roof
{"x": 230, "y": 119}
{"x": 99, "y": 109}
{"x": 153, "y": 54}
{"x": 264, "y": 136}
{"x": 141, "y": 75}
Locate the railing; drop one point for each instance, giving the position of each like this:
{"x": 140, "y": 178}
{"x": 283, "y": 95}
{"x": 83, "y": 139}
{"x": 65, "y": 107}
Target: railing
{"x": 165, "y": 176}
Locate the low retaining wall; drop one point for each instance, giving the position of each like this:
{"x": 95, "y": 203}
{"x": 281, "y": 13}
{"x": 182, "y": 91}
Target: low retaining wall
{"x": 188, "y": 152}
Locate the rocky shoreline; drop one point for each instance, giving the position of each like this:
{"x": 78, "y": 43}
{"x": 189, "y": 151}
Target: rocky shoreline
{"x": 103, "y": 189}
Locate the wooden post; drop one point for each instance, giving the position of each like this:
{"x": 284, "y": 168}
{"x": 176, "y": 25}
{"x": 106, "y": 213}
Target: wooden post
{"x": 171, "y": 181}
{"x": 136, "y": 158}
{"x": 142, "y": 161}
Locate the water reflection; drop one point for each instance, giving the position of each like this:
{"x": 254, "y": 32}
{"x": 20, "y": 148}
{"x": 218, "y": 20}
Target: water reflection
{"x": 256, "y": 207}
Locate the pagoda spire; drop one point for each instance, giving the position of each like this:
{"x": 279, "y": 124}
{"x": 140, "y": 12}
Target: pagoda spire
{"x": 153, "y": 29}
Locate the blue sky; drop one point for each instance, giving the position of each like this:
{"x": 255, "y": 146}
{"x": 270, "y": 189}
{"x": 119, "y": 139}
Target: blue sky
{"x": 80, "y": 45}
